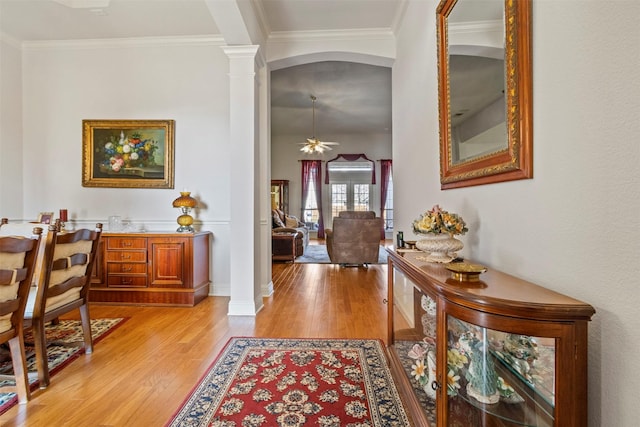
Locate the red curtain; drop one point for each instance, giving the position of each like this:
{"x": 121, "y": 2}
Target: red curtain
{"x": 312, "y": 170}
{"x": 351, "y": 158}
{"x": 385, "y": 174}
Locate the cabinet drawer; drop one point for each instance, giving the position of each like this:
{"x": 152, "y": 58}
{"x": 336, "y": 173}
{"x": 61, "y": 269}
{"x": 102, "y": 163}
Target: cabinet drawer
{"x": 127, "y": 281}
{"x": 126, "y": 243}
{"x": 126, "y": 256}
{"x": 126, "y": 268}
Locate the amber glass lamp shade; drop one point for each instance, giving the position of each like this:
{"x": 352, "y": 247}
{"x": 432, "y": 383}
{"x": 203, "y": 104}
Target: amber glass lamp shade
{"x": 185, "y": 202}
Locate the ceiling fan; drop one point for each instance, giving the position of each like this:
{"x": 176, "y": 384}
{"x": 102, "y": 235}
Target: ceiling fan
{"x": 313, "y": 144}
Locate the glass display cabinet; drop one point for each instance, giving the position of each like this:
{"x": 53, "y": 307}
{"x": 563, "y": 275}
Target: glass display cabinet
{"x": 498, "y": 351}
{"x": 280, "y": 195}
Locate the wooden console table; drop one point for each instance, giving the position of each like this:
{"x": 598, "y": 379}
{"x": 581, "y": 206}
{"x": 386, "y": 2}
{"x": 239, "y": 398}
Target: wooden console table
{"x": 152, "y": 269}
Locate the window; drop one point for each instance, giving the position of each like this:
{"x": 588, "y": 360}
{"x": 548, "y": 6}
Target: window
{"x": 360, "y": 197}
{"x": 349, "y": 197}
{"x": 338, "y": 199}
{"x": 350, "y": 186}
{"x": 310, "y": 212}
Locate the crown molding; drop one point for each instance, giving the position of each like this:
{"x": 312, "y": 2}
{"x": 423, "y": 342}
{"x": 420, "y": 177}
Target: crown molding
{"x": 362, "y": 34}
{"x": 475, "y": 26}
{"x": 208, "y": 40}
{"x": 261, "y": 17}
{"x": 399, "y": 16}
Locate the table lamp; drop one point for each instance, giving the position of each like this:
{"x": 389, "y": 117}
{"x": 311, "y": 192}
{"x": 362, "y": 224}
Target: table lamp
{"x": 186, "y": 203}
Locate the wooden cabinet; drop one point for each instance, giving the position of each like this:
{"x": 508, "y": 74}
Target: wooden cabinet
{"x": 152, "y": 268}
{"x": 280, "y": 195}
{"x": 125, "y": 260}
{"x": 497, "y": 352}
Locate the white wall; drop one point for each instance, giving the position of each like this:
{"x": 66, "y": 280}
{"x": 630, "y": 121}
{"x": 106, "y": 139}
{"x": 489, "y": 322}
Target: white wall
{"x": 574, "y": 227}
{"x": 11, "y": 197}
{"x": 184, "y": 80}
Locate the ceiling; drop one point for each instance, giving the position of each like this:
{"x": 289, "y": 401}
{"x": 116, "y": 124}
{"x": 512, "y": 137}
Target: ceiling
{"x": 88, "y": 19}
{"x": 351, "y": 98}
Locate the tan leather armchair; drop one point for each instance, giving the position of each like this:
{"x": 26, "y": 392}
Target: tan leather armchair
{"x": 354, "y": 238}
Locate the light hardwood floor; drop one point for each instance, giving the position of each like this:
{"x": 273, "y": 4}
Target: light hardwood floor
{"x": 140, "y": 374}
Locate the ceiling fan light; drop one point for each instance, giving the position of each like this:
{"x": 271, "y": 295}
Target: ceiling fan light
{"x": 313, "y": 144}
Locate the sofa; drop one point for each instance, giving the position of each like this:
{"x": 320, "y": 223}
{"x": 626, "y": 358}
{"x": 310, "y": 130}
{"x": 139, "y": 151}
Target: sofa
{"x": 354, "y": 238}
{"x": 283, "y": 223}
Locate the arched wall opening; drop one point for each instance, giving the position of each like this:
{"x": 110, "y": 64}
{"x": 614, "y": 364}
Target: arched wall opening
{"x": 347, "y": 109}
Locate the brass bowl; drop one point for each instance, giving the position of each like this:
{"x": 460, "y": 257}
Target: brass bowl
{"x": 465, "y": 272}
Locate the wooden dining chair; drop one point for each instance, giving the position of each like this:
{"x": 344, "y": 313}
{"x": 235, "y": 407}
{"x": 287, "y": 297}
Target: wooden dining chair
{"x": 25, "y": 229}
{"x": 17, "y": 264}
{"x": 64, "y": 286}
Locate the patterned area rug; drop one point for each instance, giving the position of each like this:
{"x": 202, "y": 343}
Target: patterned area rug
{"x": 317, "y": 254}
{"x": 268, "y": 382}
{"x": 59, "y": 355}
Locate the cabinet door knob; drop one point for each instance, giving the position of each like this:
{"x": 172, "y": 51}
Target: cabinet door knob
{"x": 384, "y": 301}
{"x": 435, "y": 385}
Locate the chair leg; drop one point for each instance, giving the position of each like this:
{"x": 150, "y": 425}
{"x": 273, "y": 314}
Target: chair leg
{"x": 86, "y": 328}
{"x": 16, "y": 346}
{"x": 42, "y": 361}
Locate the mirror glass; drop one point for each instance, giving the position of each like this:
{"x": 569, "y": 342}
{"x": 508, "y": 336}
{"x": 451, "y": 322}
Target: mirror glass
{"x": 476, "y": 79}
{"x": 484, "y": 89}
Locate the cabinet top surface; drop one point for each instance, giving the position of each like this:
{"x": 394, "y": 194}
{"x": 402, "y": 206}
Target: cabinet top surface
{"x": 153, "y": 234}
{"x": 495, "y": 292}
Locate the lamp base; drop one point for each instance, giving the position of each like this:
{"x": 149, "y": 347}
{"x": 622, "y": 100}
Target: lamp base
{"x": 185, "y": 221}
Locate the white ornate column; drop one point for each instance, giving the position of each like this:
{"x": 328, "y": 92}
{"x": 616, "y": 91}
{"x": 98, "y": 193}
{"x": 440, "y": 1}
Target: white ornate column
{"x": 246, "y": 295}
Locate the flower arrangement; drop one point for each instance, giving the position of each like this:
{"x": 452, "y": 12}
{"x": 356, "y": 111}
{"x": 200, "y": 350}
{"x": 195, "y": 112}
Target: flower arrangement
{"x": 127, "y": 152}
{"x": 438, "y": 221}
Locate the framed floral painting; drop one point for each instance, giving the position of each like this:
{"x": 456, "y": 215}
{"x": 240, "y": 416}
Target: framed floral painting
{"x": 128, "y": 153}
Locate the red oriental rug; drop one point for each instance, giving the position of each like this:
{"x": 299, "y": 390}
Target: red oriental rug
{"x": 268, "y": 382}
{"x": 59, "y": 352}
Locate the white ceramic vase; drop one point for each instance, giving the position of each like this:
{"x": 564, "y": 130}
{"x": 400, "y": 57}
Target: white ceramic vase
{"x": 439, "y": 247}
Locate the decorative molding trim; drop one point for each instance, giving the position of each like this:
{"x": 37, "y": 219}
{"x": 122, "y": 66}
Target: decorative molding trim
{"x": 261, "y": 16}
{"x": 476, "y": 27}
{"x": 246, "y": 51}
{"x": 363, "y": 34}
{"x": 219, "y": 290}
{"x": 400, "y": 13}
{"x": 209, "y": 40}
{"x": 242, "y": 309}
{"x": 267, "y": 290}
{"x": 84, "y": 4}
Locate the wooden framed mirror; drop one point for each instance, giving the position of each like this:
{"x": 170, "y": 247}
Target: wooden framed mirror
{"x": 484, "y": 91}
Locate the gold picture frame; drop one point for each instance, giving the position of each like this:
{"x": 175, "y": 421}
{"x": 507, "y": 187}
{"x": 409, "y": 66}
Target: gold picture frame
{"x": 515, "y": 160}
{"x": 128, "y": 153}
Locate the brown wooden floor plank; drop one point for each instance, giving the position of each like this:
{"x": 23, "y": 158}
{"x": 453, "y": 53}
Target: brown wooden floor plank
{"x": 141, "y": 373}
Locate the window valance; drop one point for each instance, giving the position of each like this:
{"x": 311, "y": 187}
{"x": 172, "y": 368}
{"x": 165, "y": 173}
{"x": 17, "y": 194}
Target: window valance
{"x": 351, "y": 158}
